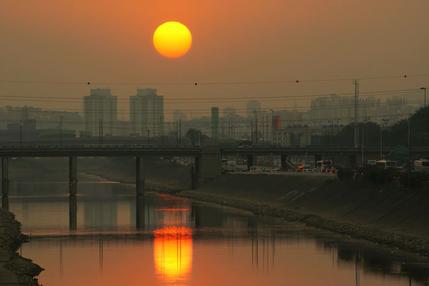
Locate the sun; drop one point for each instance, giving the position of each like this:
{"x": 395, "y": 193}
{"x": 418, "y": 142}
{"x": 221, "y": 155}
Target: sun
{"x": 172, "y": 39}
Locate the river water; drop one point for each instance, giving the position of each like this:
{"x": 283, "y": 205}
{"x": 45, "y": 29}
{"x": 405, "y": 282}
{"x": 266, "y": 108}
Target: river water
{"x": 182, "y": 242}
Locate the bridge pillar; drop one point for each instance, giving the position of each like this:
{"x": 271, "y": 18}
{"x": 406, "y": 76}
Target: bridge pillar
{"x": 317, "y": 157}
{"x": 195, "y": 173}
{"x": 5, "y": 182}
{"x": 250, "y": 161}
{"x": 140, "y": 179}
{"x": 140, "y": 184}
{"x": 140, "y": 213}
{"x": 353, "y": 161}
{"x": 73, "y": 193}
{"x": 284, "y": 164}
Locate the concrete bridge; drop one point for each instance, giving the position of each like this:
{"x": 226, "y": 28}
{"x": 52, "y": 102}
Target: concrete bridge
{"x": 315, "y": 150}
{"x": 206, "y": 161}
{"x": 208, "y": 156}
{"x": 348, "y": 156}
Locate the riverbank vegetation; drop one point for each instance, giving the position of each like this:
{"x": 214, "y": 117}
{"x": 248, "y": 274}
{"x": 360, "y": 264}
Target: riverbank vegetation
{"x": 14, "y": 269}
{"x": 416, "y": 127}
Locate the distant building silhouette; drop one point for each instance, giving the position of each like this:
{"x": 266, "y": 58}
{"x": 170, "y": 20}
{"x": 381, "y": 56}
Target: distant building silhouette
{"x": 293, "y": 136}
{"x": 230, "y": 124}
{"x": 28, "y": 123}
{"x": 253, "y": 106}
{"x": 147, "y": 113}
{"x": 335, "y": 109}
{"x": 100, "y": 112}
{"x": 215, "y": 122}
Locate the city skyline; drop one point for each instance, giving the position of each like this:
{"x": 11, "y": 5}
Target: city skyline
{"x": 325, "y": 116}
{"x": 414, "y": 97}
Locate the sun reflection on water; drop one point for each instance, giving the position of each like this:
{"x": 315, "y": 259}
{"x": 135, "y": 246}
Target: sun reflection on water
{"x": 173, "y": 254}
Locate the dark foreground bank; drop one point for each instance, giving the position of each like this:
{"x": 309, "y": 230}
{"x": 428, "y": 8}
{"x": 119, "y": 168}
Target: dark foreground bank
{"x": 388, "y": 214}
{"x": 14, "y": 269}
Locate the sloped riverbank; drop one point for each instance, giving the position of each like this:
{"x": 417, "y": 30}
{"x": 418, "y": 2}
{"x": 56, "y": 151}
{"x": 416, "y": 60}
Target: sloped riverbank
{"x": 14, "y": 269}
{"x": 383, "y": 214}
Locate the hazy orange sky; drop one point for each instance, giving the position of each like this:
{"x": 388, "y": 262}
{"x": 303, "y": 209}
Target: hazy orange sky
{"x": 110, "y": 41}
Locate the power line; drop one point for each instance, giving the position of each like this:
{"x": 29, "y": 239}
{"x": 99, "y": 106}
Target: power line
{"x": 392, "y": 92}
{"x": 198, "y": 83}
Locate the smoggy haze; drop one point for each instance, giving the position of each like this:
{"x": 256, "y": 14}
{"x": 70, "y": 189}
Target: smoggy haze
{"x": 111, "y": 42}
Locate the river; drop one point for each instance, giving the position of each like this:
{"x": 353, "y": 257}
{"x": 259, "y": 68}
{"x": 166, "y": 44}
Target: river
{"x": 182, "y": 242}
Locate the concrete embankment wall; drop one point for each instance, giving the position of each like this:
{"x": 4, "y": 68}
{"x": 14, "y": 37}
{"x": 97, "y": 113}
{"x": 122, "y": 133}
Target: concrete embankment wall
{"x": 14, "y": 269}
{"x": 394, "y": 211}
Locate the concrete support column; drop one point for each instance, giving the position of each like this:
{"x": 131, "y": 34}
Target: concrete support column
{"x": 250, "y": 161}
{"x": 140, "y": 183}
{"x": 353, "y": 161}
{"x": 140, "y": 179}
{"x": 73, "y": 193}
{"x": 140, "y": 213}
{"x": 284, "y": 164}
{"x": 5, "y": 182}
{"x": 195, "y": 173}
{"x": 317, "y": 157}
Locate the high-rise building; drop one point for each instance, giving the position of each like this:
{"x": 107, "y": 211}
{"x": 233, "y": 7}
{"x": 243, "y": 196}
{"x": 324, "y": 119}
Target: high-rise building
{"x": 147, "y": 113}
{"x": 230, "y": 124}
{"x": 100, "y": 111}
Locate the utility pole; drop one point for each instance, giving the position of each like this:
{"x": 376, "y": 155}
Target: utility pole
{"x": 61, "y": 129}
{"x": 382, "y": 125}
{"x": 272, "y": 126}
{"x": 363, "y": 144}
{"x": 356, "y": 113}
{"x": 256, "y": 127}
{"x": 409, "y": 146}
{"x": 141, "y": 132}
{"x": 381, "y": 141}
{"x": 148, "y": 136}
{"x": 100, "y": 131}
{"x": 231, "y": 131}
{"x": 180, "y": 131}
{"x": 20, "y": 132}
{"x": 263, "y": 128}
{"x": 177, "y": 132}
{"x": 267, "y": 132}
{"x": 161, "y": 130}
{"x": 252, "y": 133}
{"x": 424, "y": 94}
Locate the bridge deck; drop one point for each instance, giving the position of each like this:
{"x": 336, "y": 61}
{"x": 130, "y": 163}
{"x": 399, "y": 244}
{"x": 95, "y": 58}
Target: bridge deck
{"x": 128, "y": 150}
{"x": 97, "y": 151}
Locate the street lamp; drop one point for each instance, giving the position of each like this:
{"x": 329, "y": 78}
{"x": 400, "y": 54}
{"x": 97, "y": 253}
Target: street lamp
{"x": 424, "y": 94}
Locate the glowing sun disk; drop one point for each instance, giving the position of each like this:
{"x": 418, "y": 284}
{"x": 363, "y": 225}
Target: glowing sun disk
{"x": 172, "y": 39}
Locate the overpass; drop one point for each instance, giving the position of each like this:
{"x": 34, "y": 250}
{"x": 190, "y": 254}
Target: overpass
{"x": 136, "y": 150}
{"x": 354, "y": 156}
{"x": 206, "y": 160}
{"x": 315, "y": 150}
{"x": 74, "y": 151}
{"x": 95, "y": 150}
